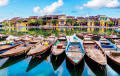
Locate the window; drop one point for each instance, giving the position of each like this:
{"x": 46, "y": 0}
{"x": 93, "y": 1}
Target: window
{"x": 61, "y": 22}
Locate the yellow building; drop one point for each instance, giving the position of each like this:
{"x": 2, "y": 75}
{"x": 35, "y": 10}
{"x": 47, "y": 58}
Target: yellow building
{"x": 103, "y": 20}
{"x": 61, "y": 20}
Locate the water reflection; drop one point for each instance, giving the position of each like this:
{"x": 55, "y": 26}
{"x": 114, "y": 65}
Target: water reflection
{"x": 37, "y": 60}
{"x": 115, "y": 67}
{"x": 57, "y": 60}
{"x": 12, "y": 61}
{"x": 75, "y": 70}
{"x": 96, "y": 69}
{"x": 67, "y": 31}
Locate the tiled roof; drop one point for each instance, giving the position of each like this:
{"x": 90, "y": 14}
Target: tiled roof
{"x": 71, "y": 17}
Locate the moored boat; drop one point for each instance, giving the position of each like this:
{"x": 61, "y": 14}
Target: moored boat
{"x": 42, "y": 47}
{"x": 74, "y": 51}
{"x": 8, "y": 46}
{"x": 3, "y": 36}
{"x": 112, "y": 52}
{"x": 59, "y": 46}
{"x": 94, "y": 53}
{"x": 19, "y": 50}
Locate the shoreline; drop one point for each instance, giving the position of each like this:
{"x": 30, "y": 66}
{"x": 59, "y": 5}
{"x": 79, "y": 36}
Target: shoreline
{"x": 60, "y": 27}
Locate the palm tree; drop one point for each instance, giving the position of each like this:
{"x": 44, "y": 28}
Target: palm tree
{"x": 54, "y": 22}
{"x": 69, "y": 22}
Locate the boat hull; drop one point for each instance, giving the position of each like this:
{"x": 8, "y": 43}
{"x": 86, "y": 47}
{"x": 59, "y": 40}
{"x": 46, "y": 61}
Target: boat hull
{"x": 68, "y": 59}
{"x": 98, "y": 66}
{"x": 42, "y": 52}
{"x": 75, "y": 70}
{"x": 10, "y": 47}
{"x": 57, "y": 60}
{"x": 62, "y": 53}
{"x": 16, "y": 54}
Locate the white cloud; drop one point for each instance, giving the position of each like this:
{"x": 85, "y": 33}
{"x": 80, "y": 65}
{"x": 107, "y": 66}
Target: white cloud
{"x": 3, "y": 2}
{"x": 96, "y": 4}
{"x": 78, "y": 7}
{"x": 48, "y": 9}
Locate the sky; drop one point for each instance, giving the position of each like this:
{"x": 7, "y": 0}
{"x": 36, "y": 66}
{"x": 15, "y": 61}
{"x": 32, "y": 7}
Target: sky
{"x": 84, "y": 8}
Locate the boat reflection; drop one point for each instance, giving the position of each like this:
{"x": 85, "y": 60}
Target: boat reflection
{"x": 57, "y": 61}
{"x": 115, "y": 67}
{"x": 12, "y": 61}
{"x": 75, "y": 70}
{"x": 95, "y": 69}
{"x": 37, "y": 60}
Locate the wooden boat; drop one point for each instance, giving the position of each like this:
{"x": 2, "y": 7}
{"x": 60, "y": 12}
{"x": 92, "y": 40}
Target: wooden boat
{"x": 97, "y": 36}
{"x": 94, "y": 53}
{"x": 74, "y": 51}
{"x": 112, "y": 52}
{"x": 116, "y": 42}
{"x": 56, "y": 61}
{"x": 59, "y": 46}
{"x": 19, "y": 50}
{"x": 6, "y": 47}
{"x": 7, "y": 42}
{"x": 24, "y": 38}
{"x": 3, "y": 36}
{"x": 42, "y": 47}
{"x": 62, "y": 37}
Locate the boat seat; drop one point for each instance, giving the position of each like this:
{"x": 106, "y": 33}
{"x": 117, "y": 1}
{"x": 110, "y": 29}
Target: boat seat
{"x": 115, "y": 53}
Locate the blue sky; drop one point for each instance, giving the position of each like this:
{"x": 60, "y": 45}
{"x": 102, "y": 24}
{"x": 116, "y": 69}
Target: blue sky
{"x": 26, "y": 8}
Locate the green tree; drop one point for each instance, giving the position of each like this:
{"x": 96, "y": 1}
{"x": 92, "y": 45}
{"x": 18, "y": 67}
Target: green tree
{"x": 11, "y": 23}
{"x": 19, "y": 21}
{"x": 69, "y": 22}
{"x": 44, "y": 22}
{"x": 33, "y": 23}
{"x": 54, "y": 22}
{"x": 97, "y": 23}
{"x": 40, "y": 21}
{"x": 119, "y": 23}
{"x": 83, "y": 22}
{"x": 5, "y": 23}
{"x": 110, "y": 23}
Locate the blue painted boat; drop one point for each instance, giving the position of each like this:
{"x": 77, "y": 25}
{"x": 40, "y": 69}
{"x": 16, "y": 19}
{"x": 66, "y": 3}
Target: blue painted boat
{"x": 74, "y": 51}
{"x": 111, "y": 51}
{"x": 6, "y": 47}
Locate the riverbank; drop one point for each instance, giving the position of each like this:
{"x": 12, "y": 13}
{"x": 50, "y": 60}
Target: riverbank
{"x": 60, "y": 27}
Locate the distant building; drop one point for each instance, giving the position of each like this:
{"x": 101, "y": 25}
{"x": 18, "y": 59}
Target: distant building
{"x": 90, "y": 21}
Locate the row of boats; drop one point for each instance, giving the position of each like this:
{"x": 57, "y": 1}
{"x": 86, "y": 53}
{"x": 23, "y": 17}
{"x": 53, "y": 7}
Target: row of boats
{"x": 74, "y": 49}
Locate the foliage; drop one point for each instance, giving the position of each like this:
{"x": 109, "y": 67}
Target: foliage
{"x": 34, "y": 23}
{"x": 19, "y": 21}
{"x": 110, "y": 23}
{"x": 11, "y": 23}
{"x": 5, "y": 23}
{"x": 70, "y": 21}
{"x": 97, "y": 23}
{"x": 119, "y": 23}
{"x": 40, "y": 21}
{"x": 54, "y": 22}
{"x": 75, "y": 24}
{"x": 44, "y": 22}
{"x": 83, "y": 22}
